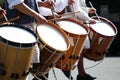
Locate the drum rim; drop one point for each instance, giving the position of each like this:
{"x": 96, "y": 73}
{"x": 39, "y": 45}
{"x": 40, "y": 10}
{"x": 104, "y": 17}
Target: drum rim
{"x": 17, "y": 44}
{"x": 108, "y": 22}
{"x": 61, "y": 31}
{"x": 77, "y": 22}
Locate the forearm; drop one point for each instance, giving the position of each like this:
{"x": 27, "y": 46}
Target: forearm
{"x": 83, "y": 15}
{"x": 26, "y": 10}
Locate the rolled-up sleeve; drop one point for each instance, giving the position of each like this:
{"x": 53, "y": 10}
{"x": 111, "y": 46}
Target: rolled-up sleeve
{"x": 12, "y": 3}
{"x": 82, "y": 15}
{"x": 45, "y": 11}
{"x": 60, "y": 5}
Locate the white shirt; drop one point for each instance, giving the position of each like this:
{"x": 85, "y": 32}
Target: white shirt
{"x": 12, "y": 3}
{"x": 82, "y": 15}
{"x": 59, "y": 6}
{"x": 83, "y": 5}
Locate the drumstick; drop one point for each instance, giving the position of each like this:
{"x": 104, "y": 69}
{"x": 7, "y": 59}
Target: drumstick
{"x": 10, "y": 20}
{"x": 95, "y": 11}
{"x": 69, "y": 13}
{"x": 4, "y": 16}
{"x": 73, "y": 5}
{"x": 54, "y": 19}
{"x": 89, "y": 22}
{"x": 53, "y": 10}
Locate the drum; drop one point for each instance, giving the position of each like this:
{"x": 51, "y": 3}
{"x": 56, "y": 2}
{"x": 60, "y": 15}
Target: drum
{"x": 77, "y": 33}
{"x": 101, "y": 36}
{"x": 53, "y": 44}
{"x": 16, "y": 51}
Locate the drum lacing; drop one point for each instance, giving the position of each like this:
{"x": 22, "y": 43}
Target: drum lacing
{"x": 72, "y": 56}
{"x": 50, "y": 57}
{"x": 26, "y": 71}
{"x": 100, "y": 48}
{"x": 2, "y": 66}
{"x": 5, "y": 52}
{"x": 2, "y": 71}
{"x": 14, "y": 74}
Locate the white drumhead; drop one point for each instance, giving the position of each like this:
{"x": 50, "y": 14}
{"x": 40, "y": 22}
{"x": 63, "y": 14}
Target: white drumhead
{"x": 52, "y": 37}
{"x": 103, "y": 28}
{"x": 72, "y": 27}
{"x": 15, "y": 34}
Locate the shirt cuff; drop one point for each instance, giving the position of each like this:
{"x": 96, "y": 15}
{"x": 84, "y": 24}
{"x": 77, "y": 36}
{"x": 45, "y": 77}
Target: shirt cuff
{"x": 13, "y": 3}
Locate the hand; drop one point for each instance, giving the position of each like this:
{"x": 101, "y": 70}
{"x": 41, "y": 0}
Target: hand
{"x": 92, "y": 10}
{"x": 92, "y": 21}
{"x": 40, "y": 19}
{"x": 56, "y": 15}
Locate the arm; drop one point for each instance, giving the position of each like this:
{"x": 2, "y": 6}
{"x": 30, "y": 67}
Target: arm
{"x": 82, "y": 15}
{"x": 84, "y": 7}
{"x": 22, "y": 7}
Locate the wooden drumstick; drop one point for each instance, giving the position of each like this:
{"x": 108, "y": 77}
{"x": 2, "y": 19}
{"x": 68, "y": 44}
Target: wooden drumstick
{"x": 95, "y": 11}
{"x": 53, "y": 11}
{"x": 4, "y": 16}
{"x": 10, "y": 20}
{"x": 69, "y": 13}
{"x": 73, "y": 5}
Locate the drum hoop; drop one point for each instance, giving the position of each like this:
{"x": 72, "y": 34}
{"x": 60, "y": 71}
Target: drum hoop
{"x": 61, "y": 31}
{"x": 15, "y": 44}
{"x": 77, "y": 22}
{"x": 108, "y": 22}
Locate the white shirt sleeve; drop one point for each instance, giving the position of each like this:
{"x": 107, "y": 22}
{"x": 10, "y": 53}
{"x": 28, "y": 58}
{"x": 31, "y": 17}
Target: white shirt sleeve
{"x": 83, "y": 5}
{"x": 82, "y": 15}
{"x": 12, "y": 3}
{"x": 45, "y": 11}
{"x": 60, "y": 5}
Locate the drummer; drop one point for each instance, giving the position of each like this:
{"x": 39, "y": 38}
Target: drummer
{"x": 82, "y": 75}
{"x": 28, "y": 15}
{"x": 60, "y": 6}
